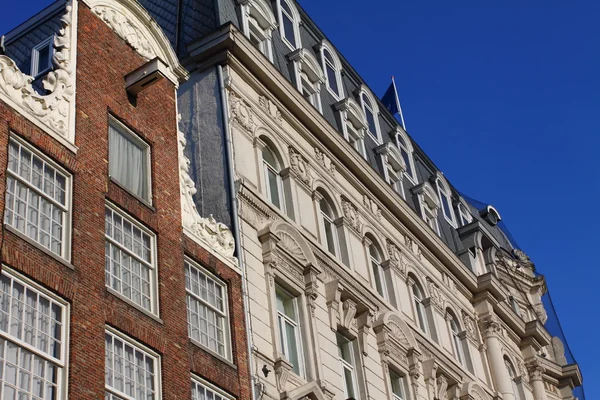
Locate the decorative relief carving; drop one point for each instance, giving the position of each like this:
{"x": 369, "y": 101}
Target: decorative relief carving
{"x": 437, "y": 298}
{"x": 442, "y": 387}
{"x": 365, "y": 324}
{"x": 207, "y": 231}
{"x": 351, "y": 215}
{"x": 299, "y": 167}
{"x": 349, "y": 308}
{"x": 253, "y": 210}
{"x": 282, "y": 373}
{"x": 325, "y": 161}
{"x": 470, "y": 327}
{"x": 490, "y": 326}
{"x": 241, "y": 112}
{"x": 271, "y": 109}
{"x": 54, "y": 110}
{"x": 126, "y": 29}
{"x": 396, "y": 258}
{"x": 372, "y": 206}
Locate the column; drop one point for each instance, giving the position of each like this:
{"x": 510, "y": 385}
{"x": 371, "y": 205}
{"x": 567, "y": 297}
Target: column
{"x": 491, "y": 330}
{"x": 536, "y": 379}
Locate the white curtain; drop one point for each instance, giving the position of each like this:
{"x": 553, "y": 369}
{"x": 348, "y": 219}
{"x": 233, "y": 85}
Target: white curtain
{"x": 127, "y": 163}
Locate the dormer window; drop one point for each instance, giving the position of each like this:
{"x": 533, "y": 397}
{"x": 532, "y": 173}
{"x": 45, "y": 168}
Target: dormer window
{"x": 353, "y": 124}
{"x": 445, "y": 200}
{"x": 428, "y": 204}
{"x": 464, "y": 215}
{"x": 393, "y": 165}
{"x": 258, "y": 23}
{"x": 332, "y": 69}
{"x": 370, "y": 111}
{"x": 308, "y": 76}
{"x": 406, "y": 150}
{"x": 289, "y": 22}
{"x": 41, "y": 57}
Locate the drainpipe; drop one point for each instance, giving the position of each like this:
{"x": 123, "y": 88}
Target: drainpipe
{"x": 236, "y": 225}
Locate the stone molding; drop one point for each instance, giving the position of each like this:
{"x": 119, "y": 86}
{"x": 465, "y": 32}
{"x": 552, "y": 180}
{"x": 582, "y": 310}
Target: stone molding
{"x": 207, "y": 232}
{"x": 351, "y": 216}
{"x": 300, "y": 168}
{"x": 54, "y": 112}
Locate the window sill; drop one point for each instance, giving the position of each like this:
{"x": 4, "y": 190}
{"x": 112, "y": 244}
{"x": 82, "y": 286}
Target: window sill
{"x": 147, "y": 203}
{"x": 134, "y": 305}
{"x": 38, "y": 246}
{"x": 212, "y": 353}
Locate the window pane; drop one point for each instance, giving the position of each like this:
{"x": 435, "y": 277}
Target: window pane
{"x": 332, "y": 79}
{"x": 349, "y": 379}
{"x": 35, "y": 198}
{"x": 273, "y": 188}
{"x": 128, "y": 162}
{"x": 292, "y": 344}
{"x": 43, "y": 58}
{"x": 446, "y": 205}
{"x": 377, "y": 273}
{"x": 288, "y": 29}
{"x": 329, "y": 236}
{"x": 371, "y": 121}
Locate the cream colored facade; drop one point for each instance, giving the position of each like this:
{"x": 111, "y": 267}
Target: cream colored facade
{"x": 473, "y": 343}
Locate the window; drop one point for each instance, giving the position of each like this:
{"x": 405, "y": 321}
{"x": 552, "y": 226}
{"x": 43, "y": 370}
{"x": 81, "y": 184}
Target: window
{"x": 130, "y": 265}
{"x": 204, "y": 391}
{"x": 33, "y": 341}
{"x": 395, "y": 179}
{"x": 464, "y": 215}
{"x": 514, "y": 304}
{"x": 444, "y": 194}
{"x": 513, "y": 378}
{"x": 258, "y": 36}
{"x": 421, "y": 313}
{"x": 328, "y": 228}
{"x": 310, "y": 91}
{"x": 289, "y": 329}
{"x": 332, "y": 72}
{"x": 273, "y": 181}
{"x": 407, "y": 154}
{"x": 129, "y": 160}
{"x": 371, "y": 115}
{"x": 378, "y": 274}
{"x": 399, "y": 387}
{"x": 289, "y": 24}
{"x": 258, "y": 23}
{"x": 41, "y": 57}
{"x": 38, "y": 198}
{"x": 354, "y": 138}
{"x": 348, "y": 365}
{"x": 132, "y": 372}
{"x": 456, "y": 340}
{"x": 208, "y": 322}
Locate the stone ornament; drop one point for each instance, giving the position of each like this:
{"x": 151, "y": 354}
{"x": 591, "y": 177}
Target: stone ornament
{"x": 299, "y": 167}
{"x": 54, "y": 111}
{"x": 324, "y": 161}
{"x": 271, "y": 109}
{"x": 126, "y": 29}
{"x": 241, "y": 112}
{"x": 490, "y": 326}
{"x": 442, "y": 387}
{"x": 395, "y": 256}
{"x": 206, "y": 231}
{"x": 351, "y": 215}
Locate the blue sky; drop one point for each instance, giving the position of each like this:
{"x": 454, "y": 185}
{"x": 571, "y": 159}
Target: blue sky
{"x": 503, "y": 97}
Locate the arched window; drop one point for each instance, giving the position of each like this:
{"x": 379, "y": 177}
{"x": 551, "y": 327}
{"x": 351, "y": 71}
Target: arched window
{"x": 456, "y": 340}
{"x": 332, "y": 69}
{"x": 378, "y": 274}
{"x": 370, "y": 111}
{"x": 273, "y": 182}
{"x": 328, "y": 228}
{"x": 513, "y": 378}
{"x": 445, "y": 200}
{"x": 406, "y": 151}
{"x": 421, "y": 313}
{"x": 258, "y": 24}
{"x": 289, "y": 20}
{"x": 464, "y": 215}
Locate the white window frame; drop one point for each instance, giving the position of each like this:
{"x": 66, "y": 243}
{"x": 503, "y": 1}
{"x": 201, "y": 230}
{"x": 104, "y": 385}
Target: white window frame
{"x": 152, "y": 265}
{"x": 335, "y": 64}
{"x": 402, "y": 382}
{"x": 281, "y": 320}
{"x": 323, "y": 218}
{"x": 138, "y": 347}
{"x": 407, "y": 148}
{"x": 218, "y": 394}
{"x": 420, "y": 309}
{"x": 464, "y": 215}
{"x": 351, "y": 367}
{"x": 375, "y": 112}
{"x": 444, "y": 192}
{"x": 147, "y": 149}
{"x": 63, "y": 362}
{"x": 66, "y": 208}
{"x": 258, "y": 21}
{"x": 457, "y": 342}
{"x": 513, "y": 376}
{"x": 295, "y": 18}
{"x": 354, "y": 138}
{"x": 35, "y": 54}
{"x": 377, "y": 270}
{"x": 310, "y": 91}
{"x": 276, "y": 170}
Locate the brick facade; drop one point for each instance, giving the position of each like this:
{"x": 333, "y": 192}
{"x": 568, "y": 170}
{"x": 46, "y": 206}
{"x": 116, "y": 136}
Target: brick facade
{"x": 103, "y": 59}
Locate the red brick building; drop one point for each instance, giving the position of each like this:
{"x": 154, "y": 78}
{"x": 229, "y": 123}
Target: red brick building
{"x": 102, "y": 294}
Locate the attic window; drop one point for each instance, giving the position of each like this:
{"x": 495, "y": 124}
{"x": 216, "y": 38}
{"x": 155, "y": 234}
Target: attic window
{"x": 464, "y": 214}
{"x": 41, "y": 57}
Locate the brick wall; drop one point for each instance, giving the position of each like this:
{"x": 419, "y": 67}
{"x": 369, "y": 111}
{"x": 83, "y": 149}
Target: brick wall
{"x": 103, "y": 60}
